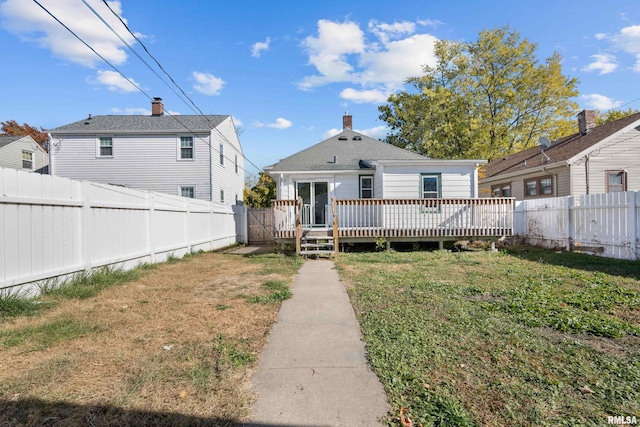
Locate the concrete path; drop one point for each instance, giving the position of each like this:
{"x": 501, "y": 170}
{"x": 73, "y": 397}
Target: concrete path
{"x": 313, "y": 372}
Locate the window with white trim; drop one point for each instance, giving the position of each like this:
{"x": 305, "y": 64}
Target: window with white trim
{"x": 236, "y": 163}
{"x": 188, "y": 191}
{"x": 221, "y": 196}
{"x": 27, "y": 160}
{"x": 222, "y": 154}
{"x": 366, "y": 187}
{"x": 616, "y": 181}
{"x": 106, "y": 146}
{"x": 186, "y": 147}
{"x": 430, "y": 186}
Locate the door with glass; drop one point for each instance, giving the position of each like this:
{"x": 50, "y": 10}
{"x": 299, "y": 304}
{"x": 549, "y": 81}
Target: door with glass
{"x": 315, "y": 198}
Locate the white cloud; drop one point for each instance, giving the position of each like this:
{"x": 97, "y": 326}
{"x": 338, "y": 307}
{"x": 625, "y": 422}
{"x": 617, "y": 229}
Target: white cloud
{"x": 258, "y": 47}
{"x": 341, "y": 53}
{"x": 115, "y": 82}
{"x": 604, "y": 63}
{"x": 32, "y": 24}
{"x": 600, "y": 36}
{"x": 628, "y": 40}
{"x": 132, "y": 111}
{"x": 362, "y": 96}
{"x": 378, "y": 132}
{"x": 430, "y": 22}
{"x": 207, "y": 84}
{"x": 236, "y": 121}
{"x": 280, "y": 123}
{"x": 601, "y": 102}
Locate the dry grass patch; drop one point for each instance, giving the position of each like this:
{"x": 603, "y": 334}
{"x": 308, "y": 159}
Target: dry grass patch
{"x": 177, "y": 346}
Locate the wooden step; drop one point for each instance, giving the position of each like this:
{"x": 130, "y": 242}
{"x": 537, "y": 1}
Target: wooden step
{"x": 314, "y": 245}
{"x": 317, "y": 252}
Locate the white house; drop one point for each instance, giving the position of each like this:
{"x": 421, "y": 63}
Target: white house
{"x": 194, "y": 156}
{"x": 351, "y": 165}
{"x": 596, "y": 159}
{"x": 23, "y": 153}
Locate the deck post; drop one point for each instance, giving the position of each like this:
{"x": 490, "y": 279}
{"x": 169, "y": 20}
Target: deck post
{"x": 298, "y": 226}
{"x": 336, "y": 247}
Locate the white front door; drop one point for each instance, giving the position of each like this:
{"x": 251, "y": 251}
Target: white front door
{"x": 315, "y": 198}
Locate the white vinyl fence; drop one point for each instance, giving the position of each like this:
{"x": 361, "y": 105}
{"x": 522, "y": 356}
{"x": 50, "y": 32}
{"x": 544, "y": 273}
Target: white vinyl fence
{"x": 606, "y": 224}
{"x": 51, "y": 226}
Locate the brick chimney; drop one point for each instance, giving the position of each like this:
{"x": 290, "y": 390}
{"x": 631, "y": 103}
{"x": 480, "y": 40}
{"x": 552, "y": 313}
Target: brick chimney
{"x": 347, "y": 121}
{"x": 586, "y": 121}
{"x": 157, "y": 107}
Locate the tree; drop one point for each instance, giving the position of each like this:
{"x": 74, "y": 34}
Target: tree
{"x": 612, "y": 115}
{"x": 11, "y": 127}
{"x": 483, "y": 99}
{"x": 260, "y": 194}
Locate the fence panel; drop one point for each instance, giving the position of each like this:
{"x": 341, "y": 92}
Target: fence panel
{"x": 605, "y": 224}
{"x": 52, "y": 226}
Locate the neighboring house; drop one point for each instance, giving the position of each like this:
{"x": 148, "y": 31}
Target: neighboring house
{"x": 351, "y": 165}
{"x": 597, "y": 159}
{"x": 23, "y": 153}
{"x": 186, "y": 155}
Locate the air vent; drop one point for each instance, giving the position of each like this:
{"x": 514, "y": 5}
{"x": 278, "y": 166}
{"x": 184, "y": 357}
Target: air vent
{"x": 342, "y": 138}
{"x": 357, "y": 138}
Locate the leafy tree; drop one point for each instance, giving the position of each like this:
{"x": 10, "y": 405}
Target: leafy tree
{"x": 260, "y": 194}
{"x": 482, "y": 99}
{"x": 11, "y": 127}
{"x": 612, "y": 115}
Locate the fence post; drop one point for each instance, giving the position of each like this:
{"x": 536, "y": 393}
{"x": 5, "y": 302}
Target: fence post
{"x": 150, "y": 221}
{"x": 86, "y": 226}
{"x": 633, "y": 227}
{"x": 187, "y": 231}
{"x": 570, "y": 222}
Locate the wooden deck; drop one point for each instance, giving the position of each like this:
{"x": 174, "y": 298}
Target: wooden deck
{"x": 362, "y": 220}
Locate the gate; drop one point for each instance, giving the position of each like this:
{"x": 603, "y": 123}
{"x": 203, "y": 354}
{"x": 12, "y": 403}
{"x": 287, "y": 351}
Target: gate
{"x": 261, "y": 226}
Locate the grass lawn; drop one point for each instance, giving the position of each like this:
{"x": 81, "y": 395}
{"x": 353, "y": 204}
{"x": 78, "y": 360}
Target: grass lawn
{"x": 522, "y": 337}
{"x": 165, "y": 345}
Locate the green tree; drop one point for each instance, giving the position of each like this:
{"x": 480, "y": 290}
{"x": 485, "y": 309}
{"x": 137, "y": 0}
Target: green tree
{"x": 11, "y": 128}
{"x": 611, "y": 115}
{"x": 482, "y": 99}
{"x": 260, "y": 194}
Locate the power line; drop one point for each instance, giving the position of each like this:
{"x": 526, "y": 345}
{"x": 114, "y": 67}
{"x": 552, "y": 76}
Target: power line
{"x": 161, "y": 68}
{"x": 144, "y": 93}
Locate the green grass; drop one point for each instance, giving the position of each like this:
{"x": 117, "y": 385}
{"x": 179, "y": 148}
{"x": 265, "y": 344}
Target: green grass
{"x": 45, "y": 335}
{"x": 473, "y": 339}
{"x": 13, "y": 304}
{"x": 89, "y": 284}
{"x": 279, "y": 291}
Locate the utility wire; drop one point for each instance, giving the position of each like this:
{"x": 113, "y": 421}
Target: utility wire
{"x": 143, "y": 92}
{"x": 161, "y": 68}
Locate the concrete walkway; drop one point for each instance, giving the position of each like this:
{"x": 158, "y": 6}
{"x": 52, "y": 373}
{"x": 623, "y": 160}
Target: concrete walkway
{"x": 313, "y": 372}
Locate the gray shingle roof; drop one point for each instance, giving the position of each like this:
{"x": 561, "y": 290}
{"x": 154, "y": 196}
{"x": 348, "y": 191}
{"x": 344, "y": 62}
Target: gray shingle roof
{"x": 559, "y": 151}
{"x": 143, "y": 124}
{"x": 6, "y": 140}
{"x": 352, "y": 154}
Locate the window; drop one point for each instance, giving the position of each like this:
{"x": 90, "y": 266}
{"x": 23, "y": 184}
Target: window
{"x": 222, "y": 154}
{"x": 541, "y": 186}
{"x": 430, "y": 186}
{"x": 501, "y": 190}
{"x": 236, "y": 162}
{"x": 366, "y": 187}
{"x": 616, "y": 181}
{"x": 106, "y": 146}
{"x": 186, "y": 147}
{"x": 221, "y": 196}
{"x": 27, "y": 160}
{"x": 188, "y": 191}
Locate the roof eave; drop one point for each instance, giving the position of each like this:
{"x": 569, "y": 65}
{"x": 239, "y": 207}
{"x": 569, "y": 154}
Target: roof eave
{"x": 525, "y": 171}
{"x": 129, "y": 131}
{"x": 603, "y": 141}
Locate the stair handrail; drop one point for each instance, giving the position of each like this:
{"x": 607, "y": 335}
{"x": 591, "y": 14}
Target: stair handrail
{"x": 298, "y": 225}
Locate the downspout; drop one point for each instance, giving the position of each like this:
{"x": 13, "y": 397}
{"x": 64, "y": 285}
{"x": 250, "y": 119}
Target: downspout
{"x": 50, "y": 153}
{"x": 586, "y": 174}
{"x": 210, "y": 169}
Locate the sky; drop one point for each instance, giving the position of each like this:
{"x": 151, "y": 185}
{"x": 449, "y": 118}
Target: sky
{"x": 286, "y": 71}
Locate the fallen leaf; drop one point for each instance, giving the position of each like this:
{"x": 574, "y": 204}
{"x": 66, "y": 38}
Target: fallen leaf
{"x": 404, "y": 418}
{"x": 585, "y": 390}
{"x": 182, "y": 394}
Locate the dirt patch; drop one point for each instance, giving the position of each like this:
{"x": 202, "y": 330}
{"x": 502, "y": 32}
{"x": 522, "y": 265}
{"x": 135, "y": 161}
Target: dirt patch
{"x": 181, "y": 340}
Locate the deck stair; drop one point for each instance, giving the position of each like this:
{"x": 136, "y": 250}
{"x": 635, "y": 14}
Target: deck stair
{"x": 317, "y": 243}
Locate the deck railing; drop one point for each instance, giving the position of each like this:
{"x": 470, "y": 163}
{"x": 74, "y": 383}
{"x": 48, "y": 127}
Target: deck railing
{"x": 406, "y": 218}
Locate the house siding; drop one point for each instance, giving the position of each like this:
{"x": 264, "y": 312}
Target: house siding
{"x": 561, "y": 183}
{"x": 621, "y": 153}
{"x": 224, "y": 176}
{"x": 11, "y": 155}
{"x": 404, "y": 182}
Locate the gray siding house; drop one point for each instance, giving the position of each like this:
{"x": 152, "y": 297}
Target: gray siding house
{"x": 597, "y": 159}
{"x": 185, "y": 155}
{"x": 23, "y": 153}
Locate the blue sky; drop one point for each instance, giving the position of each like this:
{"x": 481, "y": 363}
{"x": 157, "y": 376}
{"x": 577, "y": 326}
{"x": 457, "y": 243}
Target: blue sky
{"x": 287, "y": 71}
